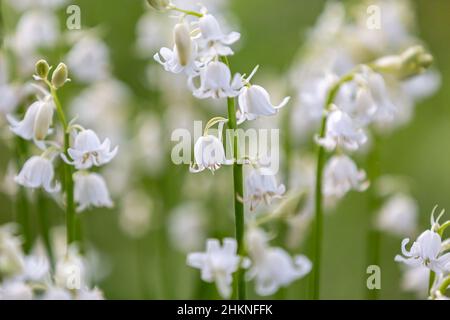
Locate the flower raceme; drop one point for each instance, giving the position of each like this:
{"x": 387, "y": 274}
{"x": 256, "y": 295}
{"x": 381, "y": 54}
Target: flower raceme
{"x": 218, "y": 263}
{"x": 88, "y": 151}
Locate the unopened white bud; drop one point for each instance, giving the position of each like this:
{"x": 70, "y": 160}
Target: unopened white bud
{"x": 159, "y": 4}
{"x": 43, "y": 120}
{"x": 42, "y": 68}
{"x": 183, "y": 43}
{"x": 60, "y": 76}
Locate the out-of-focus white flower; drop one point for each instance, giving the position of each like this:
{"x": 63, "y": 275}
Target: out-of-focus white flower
{"x": 213, "y": 42}
{"x": 187, "y": 227}
{"x": 88, "y": 60}
{"x": 36, "y": 268}
{"x": 398, "y": 215}
{"x": 90, "y": 191}
{"x": 152, "y": 31}
{"x": 70, "y": 271}
{"x": 10, "y": 94}
{"x": 261, "y": 185}
{"x": 426, "y": 251}
{"x": 57, "y": 293}
{"x": 415, "y": 279}
{"x": 342, "y": 175}
{"x": 22, "y": 5}
{"x": 36, "y": 29}
{"x": 136, "y": 213}
{"x": 183, "y": 56}
{"x": 8, "y": 185}
{"x": 38, "y": 172}
{"x": 11, "y": 255}
{"x": 37, "y": 120}
{"x": 217, "y": 264}
{"x": 90, "y": 294}
{"x": 88, "y": 151}
{"x": 254, "y": 101}
{"x": 15, "y": 290}
{"x": 341, "y": 130}
{"x": 272, "y": 267}
{"x": 209, "y": 153}
{"x": 216, "y": 82}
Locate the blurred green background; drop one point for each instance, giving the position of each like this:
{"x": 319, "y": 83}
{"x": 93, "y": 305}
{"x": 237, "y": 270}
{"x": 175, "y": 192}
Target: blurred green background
{"x": 272, "y": 34}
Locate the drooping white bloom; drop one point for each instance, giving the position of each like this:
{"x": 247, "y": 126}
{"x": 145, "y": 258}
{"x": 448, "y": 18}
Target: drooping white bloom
{"x": 216, "y": 82}
{"x": 183, "y": 56}
{"x": 426, "y": 251}
{"x": 88, "y": 60}
{"x": 88, "y": 151}
{"x": 36, "y": 268}
{"x": 341, "y": 130}
{"x": 213, "y": 42}
{"x": 217, "y": 264}
{"x": 38, "y": 172}
{"x": 272, "y": 267}
{"x": 398, "y": 215}
{"x": 356, "y": 100}
{"x": 342, "y": 175}
{"x": 254, "y": 101}
{"x": 209, "y": 153}
{"x": 37, "y": 120}
{"x": 90, "y": 191}
{"x": 15, "y": 290}
{"x": 261, "y": 185}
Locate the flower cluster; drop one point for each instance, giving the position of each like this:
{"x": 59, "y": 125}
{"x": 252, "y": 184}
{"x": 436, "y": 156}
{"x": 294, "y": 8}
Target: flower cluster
{"x": 30, "y": 276}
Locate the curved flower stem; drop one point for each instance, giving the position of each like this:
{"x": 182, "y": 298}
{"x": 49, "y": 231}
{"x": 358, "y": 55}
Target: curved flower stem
{"x": 68, "y": 171}
{"x": 188, "y": 12}
{"x": 45, "y": 227}
{"x": 238, "y": 194}
{"x": 318, "y": 201}
{"x": 444, "y": 285}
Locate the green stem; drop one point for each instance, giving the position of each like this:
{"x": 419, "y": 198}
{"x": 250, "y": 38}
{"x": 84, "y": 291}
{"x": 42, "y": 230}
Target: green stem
{"x": 318, "y": 217}
{"x": 45, "y": 227}
{"x": 444, "y": 285}
{"x": 373, "y": 235}
{"x": 431, "y": 281}
{"x": 188, "y": 12}
{"x": 238, "y": 194}
{"x": 68, "y": 171}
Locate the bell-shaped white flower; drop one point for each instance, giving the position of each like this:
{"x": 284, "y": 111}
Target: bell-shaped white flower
{"x": 213, "y": 41}
{"x": 261, "y": 185}
{"x": 12, "y": 260}
{"x": 342, "y": 175}
{"x": 209, "y": 153}
{"x": 88, "y": 151}
{"x": 341, "y": 130}
{"x": 272, "y": 267}
{"x": 217, "y": 264}
{"x": 38, "y": 172}
{"x": 90, "y": 191}
{"x": 183, "y": 56}
{"x": 254, "y": 101}
{"x": 15, "y": 290}
{"x": 398, "y": 215}
{"x": 37, "y": 120}
{"x": 216, "y": 82}
{"x": 426, "y": 251}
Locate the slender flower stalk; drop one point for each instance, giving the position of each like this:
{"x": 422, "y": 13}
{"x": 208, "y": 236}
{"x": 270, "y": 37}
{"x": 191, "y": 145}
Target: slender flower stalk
{"x": 45, "y": 226}
{"x": 68, "y": 170}
{"x": 238, "y": 195}
{"x": 318, "y": 200}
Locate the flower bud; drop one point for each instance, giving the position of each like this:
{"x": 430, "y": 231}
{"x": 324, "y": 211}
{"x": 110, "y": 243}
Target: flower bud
{"x": 42, "y": 68}
{"x": 159, "y": 4}
{"x": 43, "y": 120}
{"x": 412, "y": 61}
{"x": 59, "y": 76}
{"x": 183, "y": 43}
